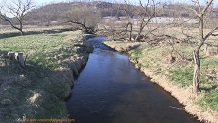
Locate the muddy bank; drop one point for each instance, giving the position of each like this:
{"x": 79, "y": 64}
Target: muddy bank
{"x": 73, "y": 66}
{"x": 183, "y": 95}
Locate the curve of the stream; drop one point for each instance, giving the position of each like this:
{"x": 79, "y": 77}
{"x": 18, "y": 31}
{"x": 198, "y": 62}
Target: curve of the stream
{"x": 111, "y": 90}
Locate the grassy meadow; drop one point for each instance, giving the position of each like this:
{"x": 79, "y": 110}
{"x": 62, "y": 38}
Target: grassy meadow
{"x": 39, "y": 90}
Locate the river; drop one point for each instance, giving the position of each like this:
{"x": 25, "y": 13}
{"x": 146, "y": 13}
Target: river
{"x": 111, "y": 90}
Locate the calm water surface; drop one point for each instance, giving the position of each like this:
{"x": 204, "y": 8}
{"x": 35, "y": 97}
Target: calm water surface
{"x": 111, "y": 90}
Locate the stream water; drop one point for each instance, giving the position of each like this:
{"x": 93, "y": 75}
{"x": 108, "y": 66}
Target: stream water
{"x": 111, "y": 90}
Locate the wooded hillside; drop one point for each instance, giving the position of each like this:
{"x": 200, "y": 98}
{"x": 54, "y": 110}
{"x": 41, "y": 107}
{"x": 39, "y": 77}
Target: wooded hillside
{"x": 53, "y": 13}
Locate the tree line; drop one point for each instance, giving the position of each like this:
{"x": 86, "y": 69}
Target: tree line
{"x": 25, "y": 12}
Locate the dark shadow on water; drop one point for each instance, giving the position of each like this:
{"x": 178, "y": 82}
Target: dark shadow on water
{"x": 75, "y": 78}
{"x": 111, "y": 90}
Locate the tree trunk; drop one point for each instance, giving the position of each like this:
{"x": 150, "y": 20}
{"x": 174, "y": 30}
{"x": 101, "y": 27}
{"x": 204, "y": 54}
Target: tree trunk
{"x": 196, "y": 76}
{"x": 88, "y": 30}
{"x": 130, "y": 36}
{"x": 21, "y": 27}
{"x": 21, "y": 32}
{"x": 130, "y": 30}
{"x": 140, "y": 31}
{"x": 202, "y": 39}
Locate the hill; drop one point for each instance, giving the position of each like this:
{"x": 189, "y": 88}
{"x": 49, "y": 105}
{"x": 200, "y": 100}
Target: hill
{"x": 51, "y": 13}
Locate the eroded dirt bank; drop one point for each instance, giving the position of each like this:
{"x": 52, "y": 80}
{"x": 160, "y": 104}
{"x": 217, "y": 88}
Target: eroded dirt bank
{"x": 74, "y": 65}
{"x": 183, "y": 94}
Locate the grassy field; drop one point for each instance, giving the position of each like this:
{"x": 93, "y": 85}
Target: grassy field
{"x": 155, "y": 59}
{"x": 39, "y": 90}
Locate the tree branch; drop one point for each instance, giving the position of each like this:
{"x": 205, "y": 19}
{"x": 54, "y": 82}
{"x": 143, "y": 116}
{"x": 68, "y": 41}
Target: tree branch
{"x": 18, "y": 9}
{"x": 211, "y": 33}
{"x": 207, "y": 6}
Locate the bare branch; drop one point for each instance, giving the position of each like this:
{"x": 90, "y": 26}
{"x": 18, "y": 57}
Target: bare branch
{"x": 85, "y": 17}
{"x": 195, "y": 11}
{"x": 211, "y": 33}
{"x": 207, "y": 6}
{"x": 18, "y": 9}
{"x": 197, "y": 3}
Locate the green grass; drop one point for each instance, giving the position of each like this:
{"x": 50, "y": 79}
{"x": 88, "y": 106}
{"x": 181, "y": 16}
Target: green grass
{"x": 135, "y": 54}
{"x": 180, "y": 72}
{"x": 210, "y": 62}
{"x": 45, "y": 53}
{"x": 209, "y": 101}
{"x": 181, "y": 77}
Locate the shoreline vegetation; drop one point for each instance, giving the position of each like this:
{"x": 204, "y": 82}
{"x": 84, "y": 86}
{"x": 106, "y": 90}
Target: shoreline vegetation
{"x": 39, "y": 91}
{"x": 172, "y": 39}
{"x": 53, "y": 59}
{"x": 176, "y": 78}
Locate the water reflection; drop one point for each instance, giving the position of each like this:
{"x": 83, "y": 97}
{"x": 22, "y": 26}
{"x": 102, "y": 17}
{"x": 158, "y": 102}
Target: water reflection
{"x": 111, "y": 90}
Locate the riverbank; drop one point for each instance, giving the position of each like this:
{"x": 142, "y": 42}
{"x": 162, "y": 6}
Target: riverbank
{"x": 175, "y": 76}
{"x": 39, "y": 90}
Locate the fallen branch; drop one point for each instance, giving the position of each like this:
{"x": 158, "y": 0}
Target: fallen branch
{"x": 176, "y": 108}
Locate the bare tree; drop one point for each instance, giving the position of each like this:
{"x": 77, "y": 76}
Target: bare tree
{"x": 145, "y": 14}
{"x": 87, "y": 18}
{"x": 200, "y": 13}
{"x": 17, "y": 9}
{"x": 196, "y": 40}
{"x": 129, "y": 25}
